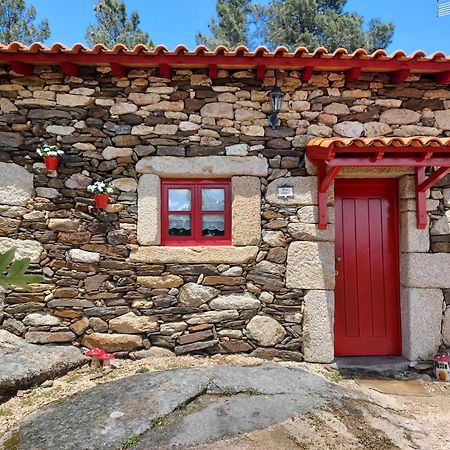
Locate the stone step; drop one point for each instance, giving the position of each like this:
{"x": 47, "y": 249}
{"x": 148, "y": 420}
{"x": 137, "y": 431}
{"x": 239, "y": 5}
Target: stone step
{"x": 381, "y": 365}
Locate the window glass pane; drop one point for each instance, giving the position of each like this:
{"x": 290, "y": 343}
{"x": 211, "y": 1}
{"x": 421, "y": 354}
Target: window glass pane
{"x": 179, "y": 225}
{"x": 213, "y": 199}
{"x": 213, "y": 225}
{"x": 179, "y": 199}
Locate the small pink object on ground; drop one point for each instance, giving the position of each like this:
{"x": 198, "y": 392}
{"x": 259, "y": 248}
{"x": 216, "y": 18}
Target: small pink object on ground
{"x": 442, "y": 366}
{"x": 106, "y": 359}
{"x": 95, "y": 354}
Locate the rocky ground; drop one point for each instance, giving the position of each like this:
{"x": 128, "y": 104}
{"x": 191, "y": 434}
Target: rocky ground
{"x": 146, "y": 405}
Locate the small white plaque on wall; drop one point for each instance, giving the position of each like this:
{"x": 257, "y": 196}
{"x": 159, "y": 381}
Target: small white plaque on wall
{"x": 285, "y": 191}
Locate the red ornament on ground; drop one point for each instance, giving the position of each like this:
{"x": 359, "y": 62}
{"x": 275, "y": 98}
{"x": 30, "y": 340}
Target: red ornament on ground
{"x": 101, "y": 200}
{"x": 106, "y": 359}
{"x": 95, "y": 354}
{"x": 51, "y": 162}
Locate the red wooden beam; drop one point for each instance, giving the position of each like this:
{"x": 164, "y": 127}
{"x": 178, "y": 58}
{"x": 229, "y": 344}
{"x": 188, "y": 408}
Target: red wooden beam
{"x": 165, "y": 70}
{"x": 322, "y": 199}
{"x": 69, "y": 69}
{"x": 442, "y": 77}
{"x": 22, "y": 68}
{"x": 353, "y": 74}
{"x": 238, "y": 61}
{"x": 421, "y": 200}
{"x": 327, "y": 152}
{"x": 434, "y": 178}
{"x": 407, "y": 161}
{"x": 260, "y": 72}
{"x": 118, "y": 70}
{"x": 400, "y": 76}
{"x": 213, "y": 71}
{"x": 307, "y": 73}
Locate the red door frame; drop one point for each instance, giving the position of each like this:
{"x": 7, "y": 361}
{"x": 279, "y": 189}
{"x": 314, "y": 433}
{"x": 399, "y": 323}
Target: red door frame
{"x": 372, "y": 314}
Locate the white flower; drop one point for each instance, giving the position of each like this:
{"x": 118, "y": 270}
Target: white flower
{"x": 100, "y": 187}
{"x": 49, "y": 150}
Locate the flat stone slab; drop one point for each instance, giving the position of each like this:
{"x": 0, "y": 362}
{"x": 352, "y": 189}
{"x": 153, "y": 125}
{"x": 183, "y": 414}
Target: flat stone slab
{"x": 179, "y": 407}
{"x": 382, "y": 365}
{"x": 22, "y": 364}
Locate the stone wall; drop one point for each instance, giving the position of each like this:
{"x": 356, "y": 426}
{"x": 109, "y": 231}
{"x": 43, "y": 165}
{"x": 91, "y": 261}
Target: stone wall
{"x": 107, "y": 282}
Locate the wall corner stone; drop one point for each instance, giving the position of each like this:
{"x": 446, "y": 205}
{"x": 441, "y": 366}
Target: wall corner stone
{"x": 149, "y": 210}
{"x": 318, "y": 326}
{"x": 421, "y": 313}
{"x": 246, "y": 210}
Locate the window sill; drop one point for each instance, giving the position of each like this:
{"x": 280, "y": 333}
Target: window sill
{"x": 195, "y": 255}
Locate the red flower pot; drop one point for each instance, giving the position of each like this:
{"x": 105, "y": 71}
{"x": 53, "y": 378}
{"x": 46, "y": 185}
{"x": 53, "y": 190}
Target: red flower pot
{"x": 51, "y": 162}
{"x": 101, "y": 200}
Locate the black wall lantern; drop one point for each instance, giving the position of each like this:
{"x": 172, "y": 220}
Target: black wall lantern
{"x": 276, "y": 100}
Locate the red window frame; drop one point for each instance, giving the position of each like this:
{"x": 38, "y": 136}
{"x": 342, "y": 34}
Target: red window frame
{"x": 196, "y": 212}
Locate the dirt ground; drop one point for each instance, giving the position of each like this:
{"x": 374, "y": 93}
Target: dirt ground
{"x": 424, "y": 418}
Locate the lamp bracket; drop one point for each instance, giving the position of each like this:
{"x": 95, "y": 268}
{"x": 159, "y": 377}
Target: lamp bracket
{"x": 273, "y": 120}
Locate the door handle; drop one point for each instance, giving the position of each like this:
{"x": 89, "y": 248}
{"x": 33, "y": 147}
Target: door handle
{"x": 338, "y": 259}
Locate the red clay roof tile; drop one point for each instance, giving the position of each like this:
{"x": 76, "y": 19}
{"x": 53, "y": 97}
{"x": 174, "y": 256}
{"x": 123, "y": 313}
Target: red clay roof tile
{"x": 413, "y": 141}
{"x": 320, "y": 59}
{"x": 321, "y": 52}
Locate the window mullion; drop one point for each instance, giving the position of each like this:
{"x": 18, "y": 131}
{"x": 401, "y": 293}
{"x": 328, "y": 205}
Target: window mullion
{"x": 196, "y": 212}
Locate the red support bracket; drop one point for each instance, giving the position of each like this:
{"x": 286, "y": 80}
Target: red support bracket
{"x": 307, "y": 73}
{"x": 329, "y": 178}
{"x": 260, "y": 72}
{"x": 22, "y": 68}
{"x": 324, "y": 181}
{"x": 329, "y": 160}
{"x": 425, "y": 156}
{"x": 118, "y": 70}
{"x": 378, "y": 157}
{"x": 69, "y": 69}
{"x": 399, "y": 76}
{"x": 434, "y": 178}
{"x": 352, "y": 74}
{"x": 213, "y": 71}
{"x": 165, "y": 71}
{"x": 442, "y": 77}
{"x": 421, "y": 199}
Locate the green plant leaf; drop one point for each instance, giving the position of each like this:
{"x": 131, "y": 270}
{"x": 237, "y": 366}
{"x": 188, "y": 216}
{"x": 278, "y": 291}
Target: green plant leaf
{"x": 16, "y": 275}
{"x": 6, "y": 259}
{"x": 18, "y": 267}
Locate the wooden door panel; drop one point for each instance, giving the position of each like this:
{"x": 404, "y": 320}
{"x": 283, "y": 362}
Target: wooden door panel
{"x": 367, "y": 312}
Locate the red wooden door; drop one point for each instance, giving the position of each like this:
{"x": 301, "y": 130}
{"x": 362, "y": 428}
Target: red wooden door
{"x": 367, "y": 308}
